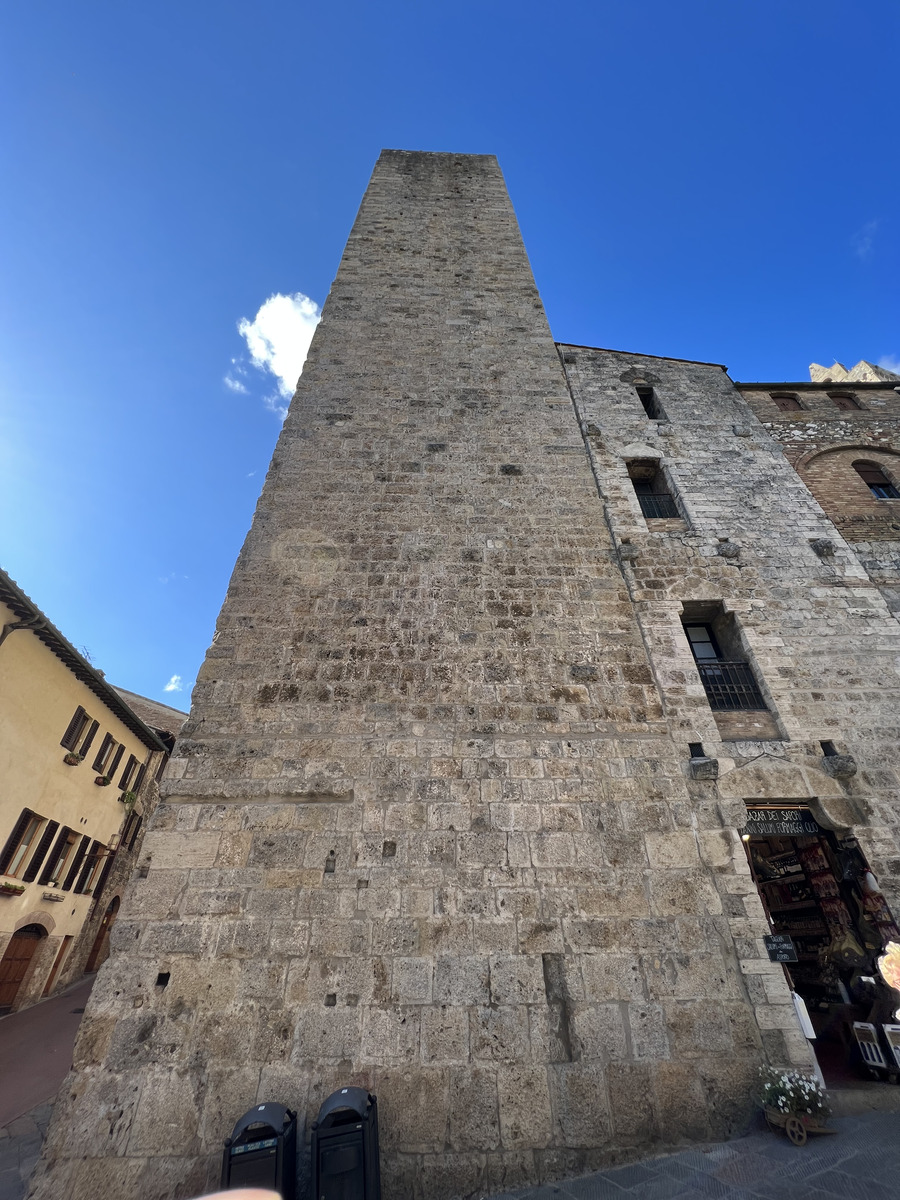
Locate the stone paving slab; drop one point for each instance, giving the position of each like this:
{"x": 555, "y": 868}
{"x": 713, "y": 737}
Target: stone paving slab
{"x": 860, "y": 1162}
{"x": 20, "y": 1149}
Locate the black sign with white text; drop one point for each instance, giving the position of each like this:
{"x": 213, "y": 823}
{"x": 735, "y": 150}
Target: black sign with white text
{"x": 780, "y": 947}
{"x": 781, "y": 822}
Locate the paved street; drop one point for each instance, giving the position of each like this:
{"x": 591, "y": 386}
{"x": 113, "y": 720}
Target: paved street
{"x": 36, "y": 1050}
{"x": 861, "y": 1161}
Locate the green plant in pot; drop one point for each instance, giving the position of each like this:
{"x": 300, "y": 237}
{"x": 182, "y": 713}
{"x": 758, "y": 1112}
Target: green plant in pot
{"x": 72, "y": 759}
{"x": 103, "y": 781}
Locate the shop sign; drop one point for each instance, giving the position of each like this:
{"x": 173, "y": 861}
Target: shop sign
{"x": 780, "y": 822}
{"x": 780, "y": 947}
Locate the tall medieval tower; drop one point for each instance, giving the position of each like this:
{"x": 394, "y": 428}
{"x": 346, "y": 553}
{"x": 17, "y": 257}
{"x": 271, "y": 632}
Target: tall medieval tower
{"x": 430, "y": 828}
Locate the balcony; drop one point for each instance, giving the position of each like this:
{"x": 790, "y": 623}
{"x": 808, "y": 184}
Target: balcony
{"x": 659, "y": 504}
{"x": 730, "y": 687}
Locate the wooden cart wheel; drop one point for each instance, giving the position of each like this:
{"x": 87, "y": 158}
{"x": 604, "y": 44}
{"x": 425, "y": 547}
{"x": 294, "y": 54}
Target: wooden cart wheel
{"x": 796, "y": 1131}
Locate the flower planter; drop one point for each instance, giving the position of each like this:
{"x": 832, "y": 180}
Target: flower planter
{"x": 71, "y": 759}
{"x": 796, "y": 1125}
{"x": 11, "y": 889}
{"x": 102, "y": 781}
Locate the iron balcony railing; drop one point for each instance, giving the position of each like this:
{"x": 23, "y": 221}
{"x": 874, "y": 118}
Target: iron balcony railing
{"x": 730, "y": 686}
{"x": 660, "y": 505}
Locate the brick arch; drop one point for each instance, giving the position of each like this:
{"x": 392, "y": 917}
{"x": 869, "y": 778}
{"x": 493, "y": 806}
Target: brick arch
{"x": 866, "y": 447}
{"x": 36, "y": 918}
{"x": 830, "y": 475}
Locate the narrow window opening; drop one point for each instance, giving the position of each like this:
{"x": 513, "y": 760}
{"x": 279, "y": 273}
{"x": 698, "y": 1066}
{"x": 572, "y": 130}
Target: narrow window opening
{"x": 652, "y": 489}
{"x": 845, "y": 401}
{"x": 879, "y": 484}
{"x": 651, "y": 404}
{"x": 727, "y": 677}
{"x": 162, "y": 979}
{"x": 786, "y": 401}
{"x": 828, "y": 749}
{"x": 695, "y": 750}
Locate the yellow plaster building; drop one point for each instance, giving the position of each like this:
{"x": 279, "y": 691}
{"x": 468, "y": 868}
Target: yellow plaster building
{"x": 78, "y": 773}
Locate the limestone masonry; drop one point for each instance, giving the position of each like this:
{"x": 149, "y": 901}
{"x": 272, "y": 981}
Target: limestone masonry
{"x": 455, "y": 817}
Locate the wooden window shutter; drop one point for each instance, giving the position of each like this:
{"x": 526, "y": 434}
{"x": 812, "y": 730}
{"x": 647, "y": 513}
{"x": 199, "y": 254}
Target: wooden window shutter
{"x": 89, "y": 863}
{"x": 108, "y": 740}
{"x": 117, "y": 758}
{"x": 41, "y": 853}
{"x": 137, "y": 829}
{"x": 14, "y": 838}
{"x": 76, "y": 863}
{"x": 127, "y": 779}
{"x": 139, "y": 778}
{"x": 86, "y": 744}
{"x": 104, "y": 875}
{"x": 75, "y": 726}
{"x": 54, "y": 855}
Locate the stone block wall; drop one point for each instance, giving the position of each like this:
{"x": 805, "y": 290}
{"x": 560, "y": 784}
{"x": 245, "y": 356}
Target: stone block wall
{"x": 426, "y": 830}
{"x": 821, "y": 639}
{"x": 432, "y": 827}
{"x": 822, "y": 442}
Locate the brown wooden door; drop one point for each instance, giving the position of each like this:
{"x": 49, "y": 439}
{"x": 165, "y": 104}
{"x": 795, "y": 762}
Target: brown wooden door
{"x": 14, "y": 963}
{"x": 101, "y": 941}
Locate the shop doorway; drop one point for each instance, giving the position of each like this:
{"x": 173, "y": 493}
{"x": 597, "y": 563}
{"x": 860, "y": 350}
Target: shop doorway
{"x": 100, "y": 948}
{"x": 15, "y": 962}
{"x": 829, "y": 925}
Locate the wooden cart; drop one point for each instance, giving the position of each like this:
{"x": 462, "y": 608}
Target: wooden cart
{"x": 796, "y": 1125}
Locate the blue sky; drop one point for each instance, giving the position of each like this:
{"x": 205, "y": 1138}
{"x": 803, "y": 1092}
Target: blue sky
{"x": 713, "y": 180}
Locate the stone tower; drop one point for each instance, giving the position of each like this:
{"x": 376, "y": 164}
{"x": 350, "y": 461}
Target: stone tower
{"x": 429, "y": 829}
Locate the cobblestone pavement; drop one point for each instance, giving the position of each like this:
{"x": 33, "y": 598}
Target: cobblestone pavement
{"x": 20, "y": 1148}
{"x": 861, "y": 1161}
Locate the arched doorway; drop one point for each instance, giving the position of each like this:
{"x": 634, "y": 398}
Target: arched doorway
{"x": 15, "y": 962}
{"x": 100, "y": 948}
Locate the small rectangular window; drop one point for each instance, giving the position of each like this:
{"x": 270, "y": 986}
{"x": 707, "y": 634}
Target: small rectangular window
{"x": 845, "y": 401}
{"x": 652, "y": 489}
{"x": 43, "y": 849}
{"x": 80, "y": 732}
{"x": 129, "y": 775}
{"x": 20, "y": 843}
{"x": 74, "y": 863}
{"x": 786, "y": 401}
{"x": 651, "y": 405}
{"x": 76, "y": 727}
{"x": 90, "y": 872}
{"x": 59, "y": 858}
{"x": 703, "y": 643}
{"x": 104, "y": 754}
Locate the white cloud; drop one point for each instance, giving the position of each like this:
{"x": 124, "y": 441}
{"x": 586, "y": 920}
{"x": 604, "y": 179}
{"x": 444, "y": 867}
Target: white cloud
{"x": 890, "y": 362}
{"x": 278, "y": 339}
{"x": 174, "y": 684}
{"x": 234, "y": 384}
{"x": 863, "y": 240}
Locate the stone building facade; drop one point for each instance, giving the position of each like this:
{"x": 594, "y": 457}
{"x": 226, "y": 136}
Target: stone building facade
{"x": 453, "y": 817}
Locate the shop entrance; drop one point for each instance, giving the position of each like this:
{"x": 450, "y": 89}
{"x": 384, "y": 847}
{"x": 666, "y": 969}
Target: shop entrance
{"x": 830, "y": 924}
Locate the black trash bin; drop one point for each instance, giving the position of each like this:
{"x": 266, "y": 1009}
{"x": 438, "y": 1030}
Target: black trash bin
{"x": 345, "y": 1164}
{"x": 262, "y": 1151}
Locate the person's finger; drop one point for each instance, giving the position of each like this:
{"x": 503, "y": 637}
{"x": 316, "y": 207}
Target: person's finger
{"x": 243, "y": 1194}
